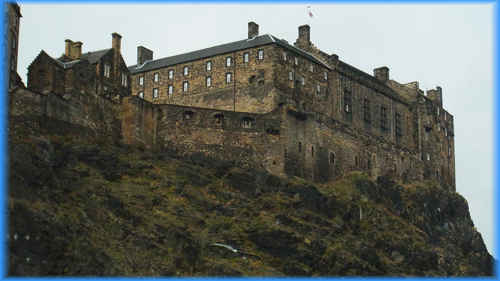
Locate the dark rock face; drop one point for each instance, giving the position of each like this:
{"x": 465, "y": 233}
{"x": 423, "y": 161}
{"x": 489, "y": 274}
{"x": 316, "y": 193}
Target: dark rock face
{"x": 81, "y": 207}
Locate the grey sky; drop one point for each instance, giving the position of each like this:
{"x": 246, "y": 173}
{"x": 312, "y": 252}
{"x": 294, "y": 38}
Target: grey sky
{"x": 438, "y": 45}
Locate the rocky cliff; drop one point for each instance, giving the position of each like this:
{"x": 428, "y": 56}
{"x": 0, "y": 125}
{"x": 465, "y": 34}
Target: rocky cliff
{"x": 78, "y": 206}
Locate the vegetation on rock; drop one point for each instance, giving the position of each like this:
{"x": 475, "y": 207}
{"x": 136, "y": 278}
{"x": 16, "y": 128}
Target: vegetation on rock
{"x": 79, "y": 207}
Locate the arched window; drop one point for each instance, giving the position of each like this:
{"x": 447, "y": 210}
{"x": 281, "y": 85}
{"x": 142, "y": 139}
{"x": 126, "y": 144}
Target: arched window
{"x": 219, "y": 118}
{"x": 188, "y": 115}
{"x": 332, "y": 158}
{"x": 247, "y": 122}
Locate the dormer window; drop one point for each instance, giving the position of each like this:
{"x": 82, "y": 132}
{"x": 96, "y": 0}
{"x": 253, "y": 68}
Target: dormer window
{"x": 209, "y": 65}
{"x": 185, "y": 86}
{"x": 141, "y": 80}
{"x": 171, "y": 74}
{"x": 261, "y": 54}
{"x": 124, "y": 80}
{"x": 156, "y": 77}
{"x": 229, "y": 61}
{"x": 246, "y": 57}
{"x": 107, "y": 70}
{"x": 186, "y": 71}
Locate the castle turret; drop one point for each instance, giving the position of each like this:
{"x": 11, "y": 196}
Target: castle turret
{"x": 436, "y": 95}
{"x": 304, "y": 39}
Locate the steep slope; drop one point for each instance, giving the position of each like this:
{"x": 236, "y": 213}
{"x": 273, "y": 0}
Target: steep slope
{"x": 87, "y": 208}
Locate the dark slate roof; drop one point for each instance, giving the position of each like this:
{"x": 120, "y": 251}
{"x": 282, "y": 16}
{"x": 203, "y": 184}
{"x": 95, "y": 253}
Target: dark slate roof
{"x": 219, "y": 50}
{"x": 92, "y": 57}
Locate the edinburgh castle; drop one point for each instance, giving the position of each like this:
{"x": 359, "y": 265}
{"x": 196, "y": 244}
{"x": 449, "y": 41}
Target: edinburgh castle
{"x": 261, "y": 102}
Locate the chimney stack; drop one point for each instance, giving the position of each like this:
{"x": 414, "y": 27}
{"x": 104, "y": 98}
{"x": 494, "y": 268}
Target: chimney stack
{"x": 143, "y": 54}
{"x": 253, "y": 30}
{"x": 304, "y": 39}
{"x": 67, "y": 49}
{"x": 76, "y": 50}
{"x": 116, "y": 42}
{"x": 381, "y": 73}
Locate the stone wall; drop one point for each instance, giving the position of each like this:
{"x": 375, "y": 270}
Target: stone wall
{"x": 95, "y": 116}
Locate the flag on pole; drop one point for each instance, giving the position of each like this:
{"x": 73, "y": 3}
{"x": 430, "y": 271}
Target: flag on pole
{"x": 309, "y": 12}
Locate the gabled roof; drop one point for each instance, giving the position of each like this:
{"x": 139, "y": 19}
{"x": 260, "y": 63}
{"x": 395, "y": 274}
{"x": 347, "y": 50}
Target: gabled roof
{"x": 220, "y": 50}
{"x": 94, "y": 57}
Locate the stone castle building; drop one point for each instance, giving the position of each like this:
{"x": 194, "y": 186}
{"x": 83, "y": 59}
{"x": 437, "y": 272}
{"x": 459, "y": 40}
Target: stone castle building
{"x": 262, "y": 102}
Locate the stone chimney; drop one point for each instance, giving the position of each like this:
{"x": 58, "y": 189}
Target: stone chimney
{"x": 253, "y": 30}
{"x": 67, "y": 49}
{"x": 304, "y": 39}
{"x": 143, "y": 54}
{"x": 381, "y": 73}
{"x": 116, "y": 42}
{"x": 76, "y": 50}
{"x": 72, "y": 49}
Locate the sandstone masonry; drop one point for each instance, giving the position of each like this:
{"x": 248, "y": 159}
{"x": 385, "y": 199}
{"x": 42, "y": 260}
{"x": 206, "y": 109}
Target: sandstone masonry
{"x": 262, "y": 102}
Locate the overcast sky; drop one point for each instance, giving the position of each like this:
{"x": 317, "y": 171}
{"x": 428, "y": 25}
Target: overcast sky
{"x": 438, "y": 45}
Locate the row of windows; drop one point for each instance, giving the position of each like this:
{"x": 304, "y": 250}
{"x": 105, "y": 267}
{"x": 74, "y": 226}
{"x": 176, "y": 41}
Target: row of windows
{"x": 311, "y": 66}
{"x": 185, "y": 86}
{"x": 367, "y": 114}
{"x": 208, "y": 67}
{"x": 303, "y": 81}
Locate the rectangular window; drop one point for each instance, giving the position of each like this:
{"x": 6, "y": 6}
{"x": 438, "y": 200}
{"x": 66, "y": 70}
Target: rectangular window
{"x": 246, "y": 57}
{"x": 185, "y": 86}
{"x": 209, "y": 66}
{"x": 290, "y": 76}
{"x": 383, "y": 118}
{"x": 311, "y": 68}
{"x": 318, "y": 89}
{"x": 156, "y": 77}
{"x": 366, "y": 111}
{"x": 428, "y": 157}
{"x": 228, "y": 77}
{"x": 186, "y": 71}
{"x": 228, "y": 61}
{"x": 141, "y": 80}
{"x": 303, "y": 80}
{"x": 284, "y": 56}
{"x": 171, "y": 74}
{"x": 296, "y": 61}
{"x": 155, "y": 93}
{"x": 397, "y": 125}
{"x": 261, "y": 54}
{"x": 124, "y": 80}
{"x": 170, "y": 90}
{"x": 209, "y": 81}
{"x": 107, "y": 70}
{"x": 445, "y": 116}
{"x": 437, "y": 111}
{"x": 445, "y": 132}
{"x": 347, "y": 102}
{"x": 326, "y": 75}
{"x": 141, "y": 95}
